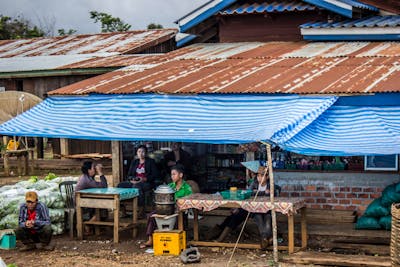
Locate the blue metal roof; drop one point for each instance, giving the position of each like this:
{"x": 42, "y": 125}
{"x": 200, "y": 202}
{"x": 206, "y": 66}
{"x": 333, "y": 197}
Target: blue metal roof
{"x": 268, "y": 7}
{"x": 373, "y": 21}
{"x": 343, "y": 7}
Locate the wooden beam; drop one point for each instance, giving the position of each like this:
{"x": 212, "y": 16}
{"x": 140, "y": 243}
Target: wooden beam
{"x": 116, "y": 162}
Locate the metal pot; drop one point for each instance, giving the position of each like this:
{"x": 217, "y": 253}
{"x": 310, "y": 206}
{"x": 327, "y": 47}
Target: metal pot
{"x": 164, "y": 197}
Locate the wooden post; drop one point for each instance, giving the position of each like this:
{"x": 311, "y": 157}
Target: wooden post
{"x": 272, "y": 199}
{"x": 64, "y": 147}
{"x": 116, "y": 162}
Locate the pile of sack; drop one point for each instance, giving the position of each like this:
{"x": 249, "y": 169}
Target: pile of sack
{"x": 12, "y": 196}
{"x": 378, "y": 213}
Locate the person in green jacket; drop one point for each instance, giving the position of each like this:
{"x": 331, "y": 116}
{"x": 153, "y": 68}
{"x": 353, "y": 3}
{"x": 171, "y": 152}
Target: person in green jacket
{"x": 181, "y": 188}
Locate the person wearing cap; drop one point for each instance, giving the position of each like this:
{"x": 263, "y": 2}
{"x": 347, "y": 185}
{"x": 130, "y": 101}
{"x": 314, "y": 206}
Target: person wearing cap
{"x": 238, "y": 216}
{"x": 34, "y": 226}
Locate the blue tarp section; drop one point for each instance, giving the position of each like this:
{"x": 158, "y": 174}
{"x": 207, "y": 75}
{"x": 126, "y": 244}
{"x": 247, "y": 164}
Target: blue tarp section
{"x": 213, "y": 118}
{"x": 357, "y": 125}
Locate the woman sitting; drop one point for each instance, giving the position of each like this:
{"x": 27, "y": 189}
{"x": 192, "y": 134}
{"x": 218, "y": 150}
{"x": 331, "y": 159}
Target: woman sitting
{"x": 142, "y": 174}
{"x": 86, "y": 181}
{"x": 238, "y": 216}
{"x": 181, "y": 188}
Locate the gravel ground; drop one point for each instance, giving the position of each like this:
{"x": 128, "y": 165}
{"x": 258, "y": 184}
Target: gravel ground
{"x": 103, "y": 252}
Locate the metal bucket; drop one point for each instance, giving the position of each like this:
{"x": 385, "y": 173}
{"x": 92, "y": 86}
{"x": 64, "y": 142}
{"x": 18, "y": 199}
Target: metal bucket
{"x": 164, "y": 197}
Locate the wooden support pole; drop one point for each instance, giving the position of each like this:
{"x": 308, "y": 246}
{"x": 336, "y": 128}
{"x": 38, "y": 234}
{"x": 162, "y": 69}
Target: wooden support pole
{"x": 116, "y": 162}
{"x": 272, "y": 200}
{"x": 64, "y": 147}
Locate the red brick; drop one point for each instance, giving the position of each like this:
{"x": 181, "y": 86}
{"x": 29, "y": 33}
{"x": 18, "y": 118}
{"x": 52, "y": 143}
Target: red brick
{"x": 351, "y": 207}
{"x": 356, "y": 189}
{"x": 321, "y": 200}
{"x": 332, "y": 200}
{"x": 305, "y": 194}
{"x": 311, "y": 188}
{"x": 356, "y": 202}
{"x": 327, "y": 207}
{"x": 316, "y": 194}
{"x": 335, "y": 189}
{"x": 369, "y": 189}
{"x": 310, "y": 200}
{"x": 327, "y": 194}
{"x": 340, "y": 195}
{"x": 363, "y": 195}
{"x": 345, "y": 189}
{"x": 284, "y": 194}
{"x": 351, "y": 195}
{"x": 379, "y": 189}
{"x": 294, "y": 194}
{"x": 314, "y": 206}
{"x": 321, "y": 188}
{"x": 344, "y": 201}
{"x": 374, "y": 195}
{"x": 339, "y": 207}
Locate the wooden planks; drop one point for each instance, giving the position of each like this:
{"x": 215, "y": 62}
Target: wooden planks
{"x": 318, "y": 216}
{"x": 330, "y": 259}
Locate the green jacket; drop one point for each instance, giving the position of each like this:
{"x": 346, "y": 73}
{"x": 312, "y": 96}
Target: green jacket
{"x": 185, "y": 189}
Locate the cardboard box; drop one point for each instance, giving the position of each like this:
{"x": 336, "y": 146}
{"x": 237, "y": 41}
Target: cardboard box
{"x": 169, "y": 242}
{"x": 8, "y": 242}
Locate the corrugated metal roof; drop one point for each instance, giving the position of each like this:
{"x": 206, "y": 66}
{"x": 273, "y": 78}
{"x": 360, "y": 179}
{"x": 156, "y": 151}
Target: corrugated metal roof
{"x": 275, "y": 67}
{"x": 374, "y": 21}
{"x": 117, "y": 42}
{"x": 267, "y": 7}
{"x": 346, "y": 8}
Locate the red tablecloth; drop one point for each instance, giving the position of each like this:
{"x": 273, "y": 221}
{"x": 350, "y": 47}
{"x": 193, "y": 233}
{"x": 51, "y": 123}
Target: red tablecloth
{"x": 207, "y": 202}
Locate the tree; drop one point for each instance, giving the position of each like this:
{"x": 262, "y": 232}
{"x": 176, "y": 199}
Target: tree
{"x": 153, "y": 26}
{"x": 17, "y": 28}
{"x": 62, "y": 32}
{"x": 109, "y": 23}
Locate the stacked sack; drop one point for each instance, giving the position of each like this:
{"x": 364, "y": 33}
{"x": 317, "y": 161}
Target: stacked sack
{"x": 12, "y": 196}
{"x": 378, "y": 215}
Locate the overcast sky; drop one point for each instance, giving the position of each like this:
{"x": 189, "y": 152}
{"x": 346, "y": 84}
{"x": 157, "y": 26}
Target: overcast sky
{"x": 74, "y": 14}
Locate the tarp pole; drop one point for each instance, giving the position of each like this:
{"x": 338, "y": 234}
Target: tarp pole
{"x": 272, "y": 200}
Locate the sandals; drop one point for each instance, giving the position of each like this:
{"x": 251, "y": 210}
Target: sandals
{"x": 145, "y": 245}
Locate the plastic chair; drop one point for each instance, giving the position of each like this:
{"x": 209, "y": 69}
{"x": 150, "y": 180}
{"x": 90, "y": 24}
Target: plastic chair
{"x": 67, "y": 191}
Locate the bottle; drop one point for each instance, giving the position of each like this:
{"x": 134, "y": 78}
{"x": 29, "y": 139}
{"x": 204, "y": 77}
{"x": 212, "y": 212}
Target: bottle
{"x": 233, "y": 192}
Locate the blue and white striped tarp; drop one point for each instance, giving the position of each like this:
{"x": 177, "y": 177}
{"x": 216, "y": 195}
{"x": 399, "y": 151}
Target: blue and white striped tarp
{"x": 214, "y": 118}
{"x": 358, "y": 125}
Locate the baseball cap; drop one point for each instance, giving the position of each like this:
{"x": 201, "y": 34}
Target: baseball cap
{"x": 31, "y": 196}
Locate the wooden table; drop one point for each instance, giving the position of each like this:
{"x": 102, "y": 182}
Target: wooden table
{"x": 106, "y": 198}
{"x": 208, "y": 202}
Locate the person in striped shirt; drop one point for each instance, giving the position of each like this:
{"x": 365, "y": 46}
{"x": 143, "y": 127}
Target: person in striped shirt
{"x": 34, "y": 226}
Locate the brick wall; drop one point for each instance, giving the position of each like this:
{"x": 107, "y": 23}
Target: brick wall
{"x": 340, "y": 191}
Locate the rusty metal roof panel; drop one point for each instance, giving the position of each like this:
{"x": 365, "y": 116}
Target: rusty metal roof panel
{"x": 117, "y": 43}
{"x": 115, "y": 61}
{"x": 276, "y": 67}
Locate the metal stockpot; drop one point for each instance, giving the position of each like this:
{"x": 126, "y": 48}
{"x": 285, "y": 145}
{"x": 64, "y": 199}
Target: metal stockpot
{"x": 164, "y": 197}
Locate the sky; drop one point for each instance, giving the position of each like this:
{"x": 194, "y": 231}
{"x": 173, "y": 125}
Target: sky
{"x": 74, "y": 14}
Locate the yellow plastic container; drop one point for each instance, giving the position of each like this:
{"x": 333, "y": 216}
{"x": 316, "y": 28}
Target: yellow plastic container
{"x": 169, "y": 242}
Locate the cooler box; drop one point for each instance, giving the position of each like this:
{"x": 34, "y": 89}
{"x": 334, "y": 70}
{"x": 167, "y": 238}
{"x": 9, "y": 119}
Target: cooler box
{"x": 169, "y": 243}
{"x": 8, "y": 242}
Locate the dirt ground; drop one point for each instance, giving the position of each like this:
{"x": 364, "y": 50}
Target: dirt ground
{"x": 101, "y": 251}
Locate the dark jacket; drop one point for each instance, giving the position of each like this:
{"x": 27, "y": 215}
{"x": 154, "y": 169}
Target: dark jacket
{"x": 150, "y": 168}
{"x": 42, "y": 216}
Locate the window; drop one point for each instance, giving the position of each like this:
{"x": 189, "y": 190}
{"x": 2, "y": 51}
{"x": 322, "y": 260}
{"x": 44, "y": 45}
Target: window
{"x": 384, "y": 163}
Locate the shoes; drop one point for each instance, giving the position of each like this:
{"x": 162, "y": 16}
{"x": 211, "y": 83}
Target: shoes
{"x": 27, "y": 247}
{"x": 145, "y": 245}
